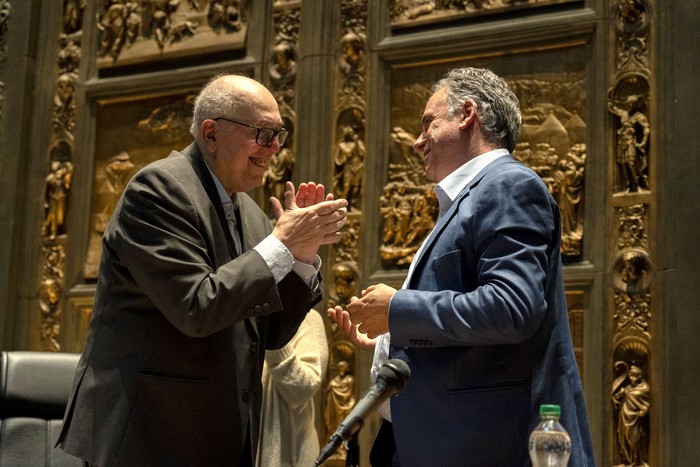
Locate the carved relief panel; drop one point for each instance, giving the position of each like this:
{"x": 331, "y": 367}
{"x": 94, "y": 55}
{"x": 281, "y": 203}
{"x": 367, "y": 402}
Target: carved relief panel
{"x": 552, "y": 143}
{"x": 142, "y": 31}
{"x": 131, "y": 133}
{"x": 413, "y": 13}
{"x": 550, "y": 84}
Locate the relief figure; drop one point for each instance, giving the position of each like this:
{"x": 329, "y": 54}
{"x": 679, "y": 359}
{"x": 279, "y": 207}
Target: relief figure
{"x": 339, "y": 399}
{"x": 632, "y": 401}
{"x": 58, "y": 183}
{"x": 632, "y": 137}
{"x": 349, "y": 161}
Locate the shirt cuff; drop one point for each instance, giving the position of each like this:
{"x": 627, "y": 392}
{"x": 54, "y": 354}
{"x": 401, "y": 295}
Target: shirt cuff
{"x": 281, "y": 262}
{"x": 308, "y": 272}
{"x": 276, "y": 255}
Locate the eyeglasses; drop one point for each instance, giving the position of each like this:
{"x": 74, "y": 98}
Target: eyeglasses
{"x": 264, "y": 136}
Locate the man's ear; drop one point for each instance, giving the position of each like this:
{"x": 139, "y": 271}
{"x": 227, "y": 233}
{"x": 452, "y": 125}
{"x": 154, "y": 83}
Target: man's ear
{"x": 209, "y": 131}
{"x": 468, "y": 116}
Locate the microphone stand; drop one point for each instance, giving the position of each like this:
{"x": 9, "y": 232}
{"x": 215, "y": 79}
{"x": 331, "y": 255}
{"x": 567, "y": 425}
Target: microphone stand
{"x": 352, "y": 459}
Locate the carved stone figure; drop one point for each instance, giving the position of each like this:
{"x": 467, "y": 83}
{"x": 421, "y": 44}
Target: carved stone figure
{"x": 50, "y": 295}
{"x": 347, "y": 248}
{"x": 403, "y": 211}
{"x": 632, "y": 137}
{"x": 353, "y": 52}
{"x": 279, "y": 170}
{"x": 119, "y": 26}
{"x": 424, "y": 209}
{"x": 58, "y": 183}
{"x": 69, "y": 55}
{"x": 386, "y": 209}
{"x": 65, "y": 104}
{"x": 117, "y": 173}
{"x": 567, "y": 189}
{"x": 345, "y": 280}
{"x": 632, "y": 271}
{"x": 632, "y": 403}
{"x": 73, "y": 15}
{"x": 283, "y": 61}
{"x": 349, "y": 161}
{"x": 225, "y": 13}
{"x": 339, "y": 397}
{"x": 161, "y": 19}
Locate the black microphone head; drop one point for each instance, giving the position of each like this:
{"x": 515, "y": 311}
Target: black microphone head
{"x": 395, "y": 372}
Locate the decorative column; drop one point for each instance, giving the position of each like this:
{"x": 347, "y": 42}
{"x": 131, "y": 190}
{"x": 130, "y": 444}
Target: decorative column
{"x": 632, "y": 286}
{"x": 59, "y": 178}
{"x": 348, "y": 159}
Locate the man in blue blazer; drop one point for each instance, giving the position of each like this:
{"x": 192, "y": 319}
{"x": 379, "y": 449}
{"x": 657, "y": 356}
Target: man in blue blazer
{"x": 194, "y": 285}
{"x": 482, "y": 318}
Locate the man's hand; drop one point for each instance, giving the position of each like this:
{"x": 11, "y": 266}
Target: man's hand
{"x": 342, "y": 318}
{"x": 307, "y": 221}
{"x": 371, "y": 312}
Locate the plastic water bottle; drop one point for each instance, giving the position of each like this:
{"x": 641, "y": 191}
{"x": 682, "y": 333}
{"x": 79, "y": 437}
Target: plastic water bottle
{"x": 550, "y": 445}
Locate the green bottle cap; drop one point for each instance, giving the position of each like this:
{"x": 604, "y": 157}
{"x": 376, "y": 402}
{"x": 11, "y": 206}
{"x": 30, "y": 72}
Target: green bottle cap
{"x": 550, "y": 410}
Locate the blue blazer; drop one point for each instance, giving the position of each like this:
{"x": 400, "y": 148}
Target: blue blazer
{"x": 483, "y": 325}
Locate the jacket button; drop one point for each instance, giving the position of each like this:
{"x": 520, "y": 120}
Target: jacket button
{"x": 266, "y": 307}
{"x": 257, "y": 308}
{"x": 246, "y": 396}
{"x": 253, "y": 348}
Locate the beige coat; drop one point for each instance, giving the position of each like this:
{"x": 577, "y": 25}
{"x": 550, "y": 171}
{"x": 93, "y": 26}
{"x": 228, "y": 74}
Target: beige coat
{"x": 291, "y": 378}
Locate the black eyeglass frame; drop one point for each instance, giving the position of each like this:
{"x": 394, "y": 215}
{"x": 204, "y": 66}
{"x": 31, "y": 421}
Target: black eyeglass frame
{"x": 281, "y": 134}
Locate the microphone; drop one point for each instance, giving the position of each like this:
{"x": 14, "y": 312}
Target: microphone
{"x": 391, "y": 378}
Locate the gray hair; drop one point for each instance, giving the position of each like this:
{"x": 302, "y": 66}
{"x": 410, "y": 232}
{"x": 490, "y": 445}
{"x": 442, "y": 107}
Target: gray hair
{"x": 214, "y": 100}
{"x": 497, "y": 107}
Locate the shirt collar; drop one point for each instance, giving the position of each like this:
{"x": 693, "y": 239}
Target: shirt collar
{"x": 225, "y": 198}
{"x": 450, "y": 186}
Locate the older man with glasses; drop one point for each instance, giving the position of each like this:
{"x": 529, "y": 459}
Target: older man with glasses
{"x": 194, "y": 285}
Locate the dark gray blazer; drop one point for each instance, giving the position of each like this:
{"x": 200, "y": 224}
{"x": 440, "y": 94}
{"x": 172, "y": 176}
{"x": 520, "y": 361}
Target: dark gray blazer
{"x": 157, "y": 382}
{"x": 484, "y": 328}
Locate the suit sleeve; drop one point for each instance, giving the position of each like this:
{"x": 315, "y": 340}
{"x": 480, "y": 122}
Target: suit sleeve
{"x": 489, "y": 273}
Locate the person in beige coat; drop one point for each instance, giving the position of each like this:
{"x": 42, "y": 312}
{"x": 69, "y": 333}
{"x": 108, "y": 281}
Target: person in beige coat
{"x": 291, "y": 378}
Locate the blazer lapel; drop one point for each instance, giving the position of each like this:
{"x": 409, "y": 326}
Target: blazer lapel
{"x": 200, "y": 167}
